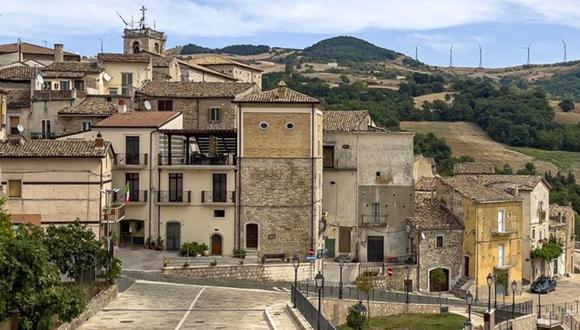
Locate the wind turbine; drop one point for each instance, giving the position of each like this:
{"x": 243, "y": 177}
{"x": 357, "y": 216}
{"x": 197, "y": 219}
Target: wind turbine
{"x": 417, "y": 53}
{"x": 451, "y": 56}
{"x": 565, "y": 49}
{"x": 528, "y": 48}
{"x": 480, "y": 57}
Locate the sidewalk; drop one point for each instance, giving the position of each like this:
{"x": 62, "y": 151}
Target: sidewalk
{"x": 476, "y": 319}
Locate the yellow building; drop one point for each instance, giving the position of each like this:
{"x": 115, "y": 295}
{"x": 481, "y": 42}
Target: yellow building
{"x": 492, "y": 236}
{"x": 125, "y": 72}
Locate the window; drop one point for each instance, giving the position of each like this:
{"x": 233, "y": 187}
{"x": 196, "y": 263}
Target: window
{"x": 65, "y": 85}
{"x": 328, "y": 156}
{"x": 215, "y": 115}
{"x": 219, "y": 213}
{"x": 126, "y": 83}
{"x": 132, "y": 181}
{"x": 176, "y": 187}
{"x": 344, "y": 240}
{"x": 136, "y": 47}
{"x": 219, "y": 193}
{"x": 289, "y": 125}
{"x": 113, "y": 91}
{"x": 14, "y": 122}
{"x": 533, "y": 234}
{"x": 375, "y": 213}
{"x": 439, "y": 241}
{"x": 264, "y": 125}
{"x": 14, "y": 188}
{"x": 55, "y": 86}
{"x": 131, "y": 150}
{"x": 46, "y": 129}
{"x": 156, "y": 48}
{"x": 164, "y": 105}
{"x": 86, "y": 126}
{"x": 501, "y": 255}
{"x": 79, "y": 85}
{"x": 541, "y": 235}
{"x": 47, "y": 85}
{"x": 501, "y": 221}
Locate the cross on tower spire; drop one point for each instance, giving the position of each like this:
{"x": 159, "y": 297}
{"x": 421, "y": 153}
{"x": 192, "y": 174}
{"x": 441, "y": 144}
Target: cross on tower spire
{"x": 142, "y": 21}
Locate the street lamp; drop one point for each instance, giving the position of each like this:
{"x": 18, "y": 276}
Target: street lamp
{"x": 319, "y": 281}
{"x": 361, "y": 310}
{"x": 469, "y": 300}
{"x": 295, "y": 264}
{"x": 340, "y": 264}
{"x": 407, "y": 272}
{"x": 514, "y": 287}
{"x": 489, "y": 282}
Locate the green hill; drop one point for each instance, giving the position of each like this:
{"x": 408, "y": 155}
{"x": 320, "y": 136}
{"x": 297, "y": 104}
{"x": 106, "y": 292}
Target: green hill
{"x": 347, "y": 49}
{"x": 233, "y": 49}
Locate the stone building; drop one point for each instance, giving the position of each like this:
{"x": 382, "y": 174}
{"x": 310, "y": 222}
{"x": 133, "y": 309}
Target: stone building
{"x": 22, "y": 52}
{"x": 84, "y": 114}
{"x": 166, "y": 68}
{"x": 198, "y": 73}
{"x": 125, "y": 73}
{"x": 279, "y": 172}
{"x": 240, "y": 71}
{"x": 50, "y": 182}
{"x": 562, "y": 224}
{"x": 143, "y": 39}
{"x": 204, "y": 105}
{"x": 437, "y": 239}
{"x": 367, "y": 187}
{"x": 424, "y": 167}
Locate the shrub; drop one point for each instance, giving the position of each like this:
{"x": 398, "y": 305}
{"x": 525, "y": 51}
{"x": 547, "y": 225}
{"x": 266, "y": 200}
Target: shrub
{"x": 239, "y": 253}
{"x": 354, "y": 319}
{"x": 190, "y": 249}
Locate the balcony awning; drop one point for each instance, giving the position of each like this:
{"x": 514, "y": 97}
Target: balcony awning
{"x": 226, "y": 139}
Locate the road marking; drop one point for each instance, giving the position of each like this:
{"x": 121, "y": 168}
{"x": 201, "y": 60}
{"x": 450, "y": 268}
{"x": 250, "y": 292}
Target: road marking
{"x": 189, "y": 309}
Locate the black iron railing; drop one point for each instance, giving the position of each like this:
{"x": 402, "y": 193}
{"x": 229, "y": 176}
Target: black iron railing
{"x": 195, "y": 159}
{"x": 212, "y": 197}
{"x": 40, "y": 135}
{"x": 373, "y": 220}
{"x": 135, "y": 196}
{"x": 131, "y": 159}
{"x": 173, "y": 196}
{"x": 309, "y": 312}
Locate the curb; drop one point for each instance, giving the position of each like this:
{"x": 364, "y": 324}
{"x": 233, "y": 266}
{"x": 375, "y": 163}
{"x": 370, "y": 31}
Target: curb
{"x": 300, "y": 320}
{"x": 268, "y": 318}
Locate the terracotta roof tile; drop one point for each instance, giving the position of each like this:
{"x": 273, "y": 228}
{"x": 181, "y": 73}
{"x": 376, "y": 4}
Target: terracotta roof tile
{"x": 210, "y": 60}
{"x": 347, "y": 121}
{"x": 282, "y": 94}
{"x": 53, "y": 148}
{"x": 29, "y": 48}
{"x": 85, "y": 67}
{"x": 427, "y": 184}
{"x": 474, "y": 168}
{"x": 431, "y": 214}
{"x": 138, "y": 119}
{"x": 18, "y": 98}
{"x": 125, "y": 58}
{"x": 18, "y": 73}
{"x": 91, "y": 106}
{"x": 193, "y": 89}
{"x": 471, "y": 188}
{"x": 524, "y": 182}
{"x": 162, "y": 62}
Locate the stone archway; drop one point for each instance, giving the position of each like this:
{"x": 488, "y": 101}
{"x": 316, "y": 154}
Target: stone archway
{"x": 136, "y": 47}
{"x": 438, "y": 287}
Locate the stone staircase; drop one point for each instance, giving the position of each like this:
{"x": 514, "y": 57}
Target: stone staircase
{"x": 461, "y": 287}
{"x": 252, "y": 256}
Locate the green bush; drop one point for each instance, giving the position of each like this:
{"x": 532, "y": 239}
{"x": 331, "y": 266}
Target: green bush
{"x": 191, "y": 249}
{"x": 239, "y": 253}
{"x": 354, "y": 319}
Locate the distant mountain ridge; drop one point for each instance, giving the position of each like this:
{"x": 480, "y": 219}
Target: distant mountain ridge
{"x": 348, "y": 49}
{"x": 242, "y": 49}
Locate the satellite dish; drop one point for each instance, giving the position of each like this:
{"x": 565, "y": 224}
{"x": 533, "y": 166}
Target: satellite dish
{"x": 40, "y": 79}
{"x": 147, "y": 105}
{"x": 20, "y": 128}
{"x": 423, "y": 236}
{"x": 107, "y": 77}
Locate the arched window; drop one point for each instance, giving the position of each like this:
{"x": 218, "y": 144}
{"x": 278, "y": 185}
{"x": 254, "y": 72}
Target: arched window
{"x": 157, "y": 48}
{"x": 135, "y": 47}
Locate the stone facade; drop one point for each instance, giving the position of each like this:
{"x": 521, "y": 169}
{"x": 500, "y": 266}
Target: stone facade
{"x": 274, "y": 273}
{"x": 73, "y": 124}
{"x": 397, "y": 281}
{"x": 447, "y": 257}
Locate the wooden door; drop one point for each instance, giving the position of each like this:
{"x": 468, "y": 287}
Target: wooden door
{"x": 216, "y": 245}
{"x": 252, "y": 236}
{"x": 173, "y": 236}
{"x": 466, "y": 266}
{"x": 375, "y": 248}
{"x": 344, "y": 239}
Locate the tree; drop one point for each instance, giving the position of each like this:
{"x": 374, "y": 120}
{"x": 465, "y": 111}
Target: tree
{"x": 30, "y": 283}
{"x": 365, "y": 284}
{"x": 567, "y": 105}
{"x": 438, "y": 275}
{"x": 501, "y": 278}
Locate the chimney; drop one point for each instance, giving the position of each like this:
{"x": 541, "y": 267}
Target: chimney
{"x": 58, "y": 52}
{"x": 16, "y": 140}
{"x": 20, "y": 55}
{"x": 99, "y": 143}
{"x": 213, "y": 146}
{"x": 121, "y": 108}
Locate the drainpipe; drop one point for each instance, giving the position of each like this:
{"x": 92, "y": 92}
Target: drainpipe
{"x": 150, "y": 178}
{"x": 100, "y": 200}
{"x": 313, "y": 180}
{"x": 238, "y": 216}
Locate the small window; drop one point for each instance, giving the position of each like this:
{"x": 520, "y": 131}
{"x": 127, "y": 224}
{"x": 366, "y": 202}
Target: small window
{"x": 86, "y": 126}
{"x": 328, "y": 156}
{"x": 439, "y": 241}
{"x": 113, "y": 91}
{"x": 289, "y": 125}
{"x": 215, "y": 115}
{"x": 55, "y": 86}
{"x": 264, "y": 125}
{"x": 165, "y": 105}
{"x": 219, "y": 213}
{"x": 14, "y": 188}
{"x": 65, "y": 85}
{"x": 533, "y": 234}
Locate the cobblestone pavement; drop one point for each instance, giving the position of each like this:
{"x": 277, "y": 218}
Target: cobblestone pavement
{"x": 161, "y": 305}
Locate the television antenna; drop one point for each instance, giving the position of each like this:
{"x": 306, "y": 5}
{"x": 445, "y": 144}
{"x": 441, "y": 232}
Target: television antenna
{"x": 101, "y": 40}
{"x": 480, "y": 57}
{"x": 565, "y": 49}
{"x": 147, "y": 105}
{"x": 528, "y": 48}
{"x": 122, "y": 19}
{"x": 451, "y": 56}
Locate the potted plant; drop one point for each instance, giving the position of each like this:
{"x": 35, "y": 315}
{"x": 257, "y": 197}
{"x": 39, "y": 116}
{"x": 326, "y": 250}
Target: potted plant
{"x": 160, "y": 246}
{"x": 213, "y": 263}
{"x": 165, "y": 262}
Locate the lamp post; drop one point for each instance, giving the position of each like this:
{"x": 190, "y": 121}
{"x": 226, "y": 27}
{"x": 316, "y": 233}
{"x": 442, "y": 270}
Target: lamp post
{"x": 319, "y": 281}
{"x": 295, "y": 264}
{"x": 489, "y": 282}
{"x": 407, "y": 272}
{"x": 514, "y": 287}
{"x": 340, "y": 264}
{"x": 469, "y": 300}
{"x": 361, "y": 310}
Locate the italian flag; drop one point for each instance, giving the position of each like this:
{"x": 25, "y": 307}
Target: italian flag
{"x": 127, "y": 189}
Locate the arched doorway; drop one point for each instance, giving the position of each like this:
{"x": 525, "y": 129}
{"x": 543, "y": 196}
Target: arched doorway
{"x": 251, "y": 236}
{"x": 136, "y": 47}
{"x": 216, "y": 245}
{"x": 435, "y": 286}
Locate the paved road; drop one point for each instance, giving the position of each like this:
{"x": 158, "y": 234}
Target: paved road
{"x": 160, "y": 305}
{"x": 567, "y": 290}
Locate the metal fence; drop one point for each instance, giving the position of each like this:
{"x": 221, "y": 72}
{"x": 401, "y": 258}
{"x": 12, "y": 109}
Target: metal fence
{"x": 310, "y": 313}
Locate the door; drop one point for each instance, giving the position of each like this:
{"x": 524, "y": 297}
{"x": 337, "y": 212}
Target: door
{"x": 216, "y": 245}
{"x": 555, "y": 272}
{"x": 500, "y": 255}
{"x": 46, "y": 129}
{"x": 435, "y": 286}
{"x": 501, "y": 221}
{"x": 132, "y": 180}
{"x": 330, "y": 245}
{"x": 132, "y": 150}
{"x": 173, "y": 236}
{"x": 375, "y": 248}
{"x": 126, "y": 83}
{"x": 219, "y": 192}
{"x": 14, "y": 121}
{"x": 344, "y": 239}
{"x": 252, "y": 236}
{"x": 466, "y": 266}
{"x": 375, "y": 213}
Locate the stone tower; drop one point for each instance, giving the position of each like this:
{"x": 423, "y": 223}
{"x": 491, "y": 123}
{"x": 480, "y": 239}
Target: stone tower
{"x": 143, "y": 38}
{"x": 280, "y": 172}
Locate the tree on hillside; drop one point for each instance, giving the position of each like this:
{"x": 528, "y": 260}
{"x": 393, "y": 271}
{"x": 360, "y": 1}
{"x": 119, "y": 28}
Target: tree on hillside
{"x": 567, "y": 105}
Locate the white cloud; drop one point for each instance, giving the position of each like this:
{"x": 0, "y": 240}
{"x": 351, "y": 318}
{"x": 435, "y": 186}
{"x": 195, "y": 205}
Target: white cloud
{"x": 231, "y": 18}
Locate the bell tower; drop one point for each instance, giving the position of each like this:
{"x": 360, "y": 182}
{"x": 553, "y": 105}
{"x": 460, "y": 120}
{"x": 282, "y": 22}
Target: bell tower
{"x": 143, "y": 38}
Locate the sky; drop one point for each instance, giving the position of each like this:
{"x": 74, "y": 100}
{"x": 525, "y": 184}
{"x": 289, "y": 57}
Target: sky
{"x": 503, "y": 28}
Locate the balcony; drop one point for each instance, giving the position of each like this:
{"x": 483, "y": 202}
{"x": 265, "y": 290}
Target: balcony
{"x": 173, "y": 197}
{"x": 131, "y": 160}
{"x": 136, "y": 197}
{"x": 196, "y": 159}
{"x": 217, "y": 197}
{"x": 40, "y": 135}
{"x": 506, "y": 231}
{"x": 114, "y": 213}
{"x": 373, "y": 220}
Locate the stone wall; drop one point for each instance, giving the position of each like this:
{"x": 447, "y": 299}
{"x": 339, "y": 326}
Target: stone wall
{"x": 96, "y": 304}
{"x": 447, "y": 257}
{"x": 525, "y": 322}
{"x": 336, "y": 310}
{"x": 397, "y": 281}
{"x": 275, "y": 273}
{"x": 71, "y": 124}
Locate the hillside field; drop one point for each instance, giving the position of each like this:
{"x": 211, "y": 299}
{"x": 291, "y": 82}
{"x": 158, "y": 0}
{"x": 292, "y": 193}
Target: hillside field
{"x": 468, "y": 139}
